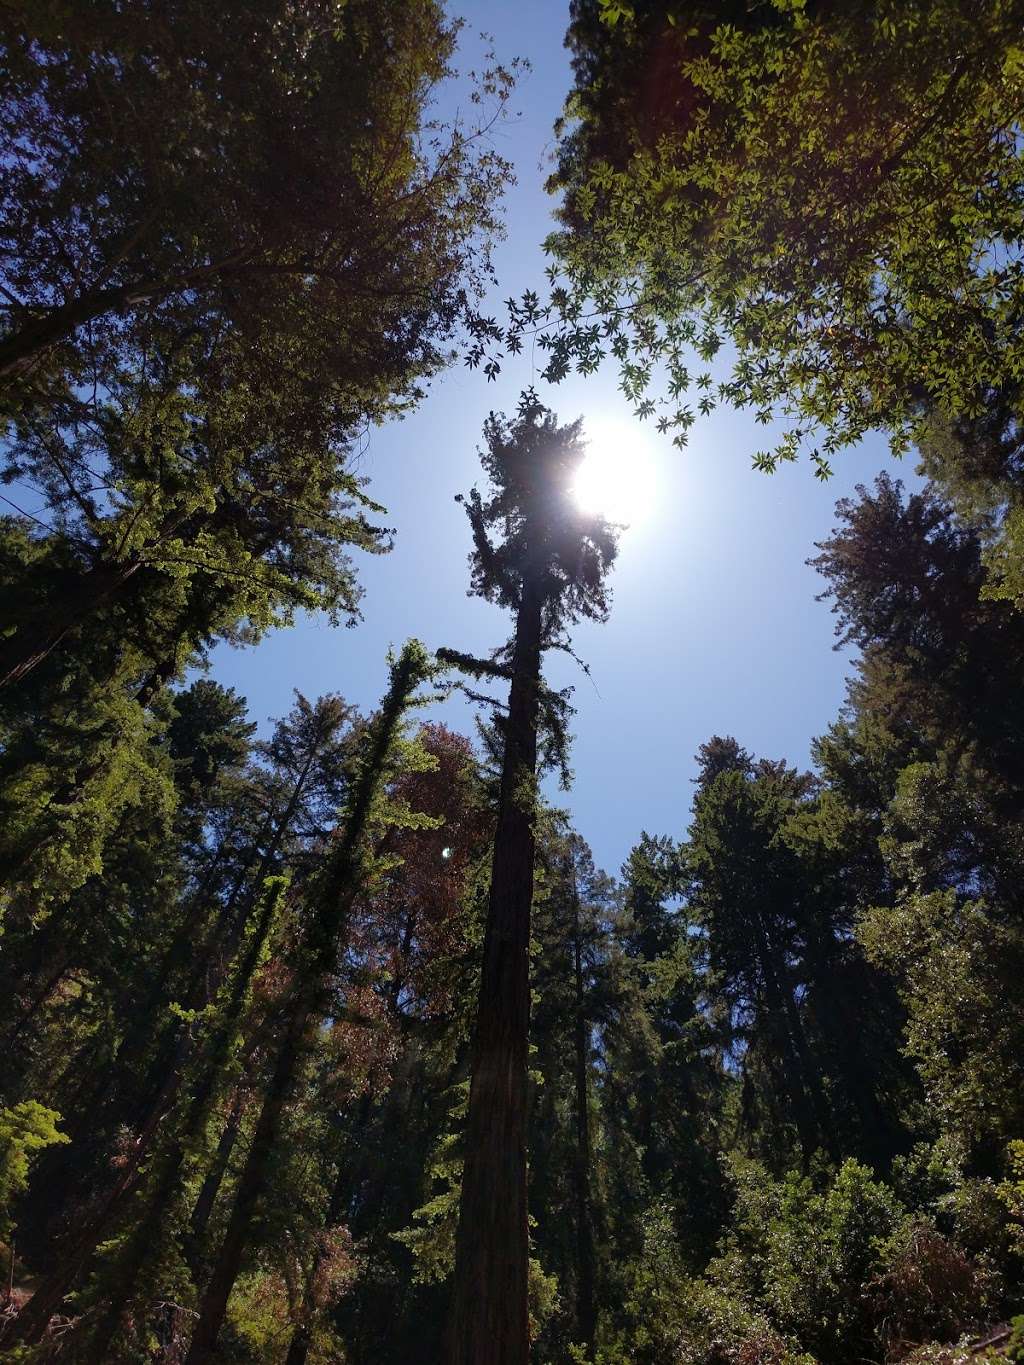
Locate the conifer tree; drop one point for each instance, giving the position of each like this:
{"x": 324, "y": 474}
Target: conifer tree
{"x": 330, "y": 900}
{"x": 548, "y": 565}
{"x": 257, "y": 174}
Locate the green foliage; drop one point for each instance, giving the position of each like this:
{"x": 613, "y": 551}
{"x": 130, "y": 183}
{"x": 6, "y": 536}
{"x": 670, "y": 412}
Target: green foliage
{"x": 812, "y": 184}
{"x": 24, "y": 1131}
{"x": 1011, "y": 1193}
{"x": 773, "y": 1071}
{"x": 959, "y": 970}
{"x": 669, "y": 1318}
{"x": 802, "y": 1250}
{"x": 432, "y": 1239}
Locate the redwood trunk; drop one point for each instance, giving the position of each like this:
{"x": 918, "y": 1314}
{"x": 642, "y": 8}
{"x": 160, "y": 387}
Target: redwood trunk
{"x": 585, "y": 1310}
{"x": 490, "y": 1317}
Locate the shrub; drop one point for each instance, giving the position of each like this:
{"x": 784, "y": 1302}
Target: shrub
{"x": 930, "y": 1291}
{"x": 24, "y": 1130}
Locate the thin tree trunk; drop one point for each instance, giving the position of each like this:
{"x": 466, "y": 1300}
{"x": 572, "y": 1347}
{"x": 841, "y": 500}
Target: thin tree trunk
{"x": 223, "y": 938}
{"x": 811, "y": 1076}
{"x": 302, "y": 1337}
{"x": 37, "y": 1002}
{"x": 490, "y": 1313}
{"x": 210, "y": 1188}
{"x": 306, "y": 1012}
{"x": 31, "y": 1322}
{"x": 810, "y": 1109}
{"x": 149, "y": 1231}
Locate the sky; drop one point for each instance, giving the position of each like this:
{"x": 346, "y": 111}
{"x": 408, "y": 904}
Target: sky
{"x": 714, "y": 626}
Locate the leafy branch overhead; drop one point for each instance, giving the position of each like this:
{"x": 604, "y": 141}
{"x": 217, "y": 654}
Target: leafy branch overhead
{"x": 827, "y": 196}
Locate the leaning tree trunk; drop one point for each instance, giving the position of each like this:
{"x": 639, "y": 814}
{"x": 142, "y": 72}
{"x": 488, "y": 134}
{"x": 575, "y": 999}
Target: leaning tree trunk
{"x": 150, "y": 1232}
{"x": 27, "y": 345}
{"x": 490, "y": 1320}
{"x": 332, "y": 901}
{"x": 214, "y": 1178}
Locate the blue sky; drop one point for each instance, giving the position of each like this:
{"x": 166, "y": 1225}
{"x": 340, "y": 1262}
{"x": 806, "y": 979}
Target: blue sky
{"x": 714, "y": 626}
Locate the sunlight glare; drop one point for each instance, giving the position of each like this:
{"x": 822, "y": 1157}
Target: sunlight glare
{"x": 616, "y": 478}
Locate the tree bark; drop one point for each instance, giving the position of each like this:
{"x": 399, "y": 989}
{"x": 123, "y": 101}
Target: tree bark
{"x": 586, "y": 1316}
{"x": 20, "y": 349}
{"x": 489, "y": 1322}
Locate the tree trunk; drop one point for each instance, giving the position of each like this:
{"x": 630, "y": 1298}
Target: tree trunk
{"x": 31, "y": 1322}
{"x": 20, "y": 350}
{"x": 35, "y": 1004}
{"x": 810, "y": 1108}
{"x": 166, "y": 1178}
{"x": 302, "y": 1337}
{"x": 586, "y": 1317}
{"x": 210, "y": 1187}
{"x": 224, "y": 934}
{"x": 490, "y": 1316}
{"x": 250, "y": 1186}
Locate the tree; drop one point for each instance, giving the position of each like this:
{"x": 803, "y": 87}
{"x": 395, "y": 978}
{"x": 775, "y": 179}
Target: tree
{"x": 833, "y": 190}
{"x": 262, "y": 174}
{"x": 548, "y": 567}
{"x": 331, "y": 898}
{"x": 230, "y": 243}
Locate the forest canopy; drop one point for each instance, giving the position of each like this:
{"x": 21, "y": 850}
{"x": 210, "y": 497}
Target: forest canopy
{"x": 326, "y": 1040}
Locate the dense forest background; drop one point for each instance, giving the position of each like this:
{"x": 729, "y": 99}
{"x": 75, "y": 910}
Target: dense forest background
{"x": 334, "y": 1044}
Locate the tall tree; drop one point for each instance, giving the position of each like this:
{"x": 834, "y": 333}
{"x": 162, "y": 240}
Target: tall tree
{"x": 261, "y": 172}
{"x": 548, "y": 566}
{"x": 331, "y": 897}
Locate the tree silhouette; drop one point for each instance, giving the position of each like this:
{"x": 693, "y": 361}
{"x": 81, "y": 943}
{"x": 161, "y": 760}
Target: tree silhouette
{"x": 547, "y": 562}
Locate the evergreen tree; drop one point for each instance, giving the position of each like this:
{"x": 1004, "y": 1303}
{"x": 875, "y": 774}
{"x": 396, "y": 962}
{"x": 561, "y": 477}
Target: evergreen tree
{"x": 548, "y": 567}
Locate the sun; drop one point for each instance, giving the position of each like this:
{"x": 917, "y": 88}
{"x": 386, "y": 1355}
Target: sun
{"x": 616, "y": 478}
